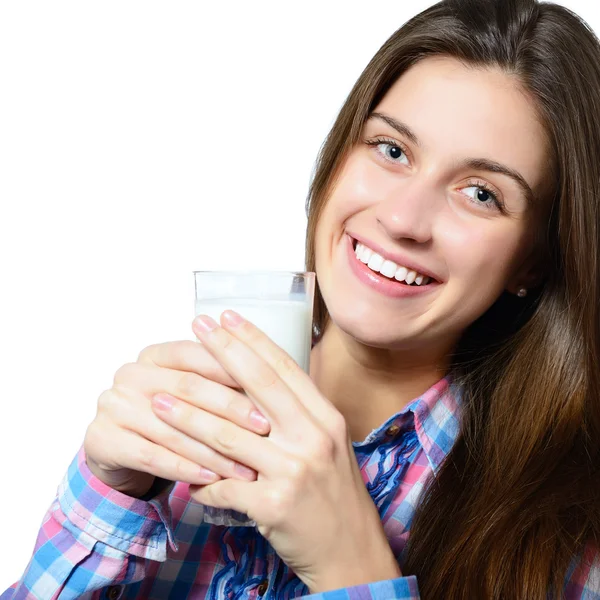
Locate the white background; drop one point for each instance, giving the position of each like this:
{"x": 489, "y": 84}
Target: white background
{"x": 139, "y": 141}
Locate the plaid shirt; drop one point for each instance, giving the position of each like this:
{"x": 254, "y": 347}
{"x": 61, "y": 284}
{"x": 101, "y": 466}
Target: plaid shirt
{"x": 96, "y": 543}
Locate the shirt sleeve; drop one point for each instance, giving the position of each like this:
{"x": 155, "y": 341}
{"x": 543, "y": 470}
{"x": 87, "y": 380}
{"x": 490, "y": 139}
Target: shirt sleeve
{"x": 402, "y": 588}
{"x": 93, "y": 536}
{"x": 581, "y": 583}
{"x": 583, "y": 578}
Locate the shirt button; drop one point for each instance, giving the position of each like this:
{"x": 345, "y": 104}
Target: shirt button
{"x": 263, "y": 587}
{"x": 114, "y": 592}
{"x": 392, "y": 430}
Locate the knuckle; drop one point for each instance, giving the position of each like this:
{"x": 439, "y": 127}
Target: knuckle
{"x": 229, "y": 407}
{"x": 147, "y": 354}
{"x": 181, "y": 352}
{"x": 226, "y": 341}
{"x": 188, "y": 385}
{"x": 147, "y": 458}
{"x": 171, "y": 439}
{"x": 277, "y": 502}
{"x": 101, "y": 442}
{"x": 284, "y": 363}
{"x": 338, "y": 427}
{"x": 181, "y": 471}
{"x": 323, "y": 448}
{"x": 237, "y": 407}
{"x": 107, "y": 402}
{"x": 227, "y": 437}
{"x": 266, "y": 378}
{"x": 297, "y": 469}
{"x": 93, "y": 436}
{"x": 222, "y": 494}
{"x": 252, "y": 333}
{"x": 124, "y": 373}
{"x": 175, "y": 352}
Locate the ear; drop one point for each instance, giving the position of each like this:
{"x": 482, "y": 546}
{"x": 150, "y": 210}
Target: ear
{"x": 529, "y": 276}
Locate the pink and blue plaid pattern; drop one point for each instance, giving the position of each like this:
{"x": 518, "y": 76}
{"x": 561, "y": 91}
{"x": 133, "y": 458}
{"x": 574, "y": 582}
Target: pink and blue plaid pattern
{"x": 96, "y": 543}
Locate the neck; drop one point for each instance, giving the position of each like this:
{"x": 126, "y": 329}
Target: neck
{"x": 369, "y": 385}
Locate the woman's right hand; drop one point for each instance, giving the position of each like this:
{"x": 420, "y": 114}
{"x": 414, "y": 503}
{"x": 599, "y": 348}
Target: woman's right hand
{"x": 127, "y": 446}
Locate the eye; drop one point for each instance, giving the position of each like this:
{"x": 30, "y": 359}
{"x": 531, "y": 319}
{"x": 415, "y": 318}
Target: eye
{"x": 389, "y": 150}
{"x": 393, "y": 153}
{"x": 483, "y": 196}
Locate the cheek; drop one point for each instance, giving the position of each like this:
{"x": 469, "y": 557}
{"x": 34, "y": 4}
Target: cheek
{"x": 323, "y": 243}
{"x": 349, "y": 196}
{"x": 359, "y": 186}
{"x": 483, "y": 255}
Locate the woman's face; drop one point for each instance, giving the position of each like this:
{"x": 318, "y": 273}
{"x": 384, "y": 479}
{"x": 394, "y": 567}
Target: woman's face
{"x": 440, "y": 184}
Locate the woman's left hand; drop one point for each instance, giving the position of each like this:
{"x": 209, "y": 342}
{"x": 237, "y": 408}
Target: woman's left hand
{"x": 309, "y": 500}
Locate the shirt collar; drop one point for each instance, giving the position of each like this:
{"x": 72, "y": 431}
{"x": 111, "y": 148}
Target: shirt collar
{"x": 436, "y": 420}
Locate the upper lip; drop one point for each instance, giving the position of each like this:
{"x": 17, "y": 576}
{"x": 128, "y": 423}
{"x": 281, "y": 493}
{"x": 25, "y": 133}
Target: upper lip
{"x": 399, "y": 259}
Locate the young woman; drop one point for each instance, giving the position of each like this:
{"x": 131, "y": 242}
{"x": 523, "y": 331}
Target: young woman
{"x": 447, "y": 441}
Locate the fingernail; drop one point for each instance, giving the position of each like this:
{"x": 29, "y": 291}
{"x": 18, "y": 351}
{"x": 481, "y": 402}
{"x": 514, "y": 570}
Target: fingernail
{"x": 208, "y": 476}
{"x": 258, "y": 420}
{"x": 163, "y": 401}
{"x": 244, "y": 472}
{"x": 205, "y": 323}
{"x": 232, "y": 318}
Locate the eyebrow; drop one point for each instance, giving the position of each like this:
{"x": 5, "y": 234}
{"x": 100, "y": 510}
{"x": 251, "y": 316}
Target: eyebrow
{"x": 479, "y": 164}
{"x": 400, "y": 127}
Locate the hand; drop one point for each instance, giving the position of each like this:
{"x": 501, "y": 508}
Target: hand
{"x": 309, "y": 500}
{"x": 127, "y": 446}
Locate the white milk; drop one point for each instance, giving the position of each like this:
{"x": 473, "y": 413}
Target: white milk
{"x": 287, "y": 322}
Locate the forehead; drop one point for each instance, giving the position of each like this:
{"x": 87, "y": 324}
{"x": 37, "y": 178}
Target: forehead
{"x": 459, "y": 112}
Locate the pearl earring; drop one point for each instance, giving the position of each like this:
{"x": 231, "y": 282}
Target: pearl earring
{"x": 522, "y": 293}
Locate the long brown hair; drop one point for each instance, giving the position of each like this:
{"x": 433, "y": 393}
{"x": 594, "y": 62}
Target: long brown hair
{"x": 518, "y": 497}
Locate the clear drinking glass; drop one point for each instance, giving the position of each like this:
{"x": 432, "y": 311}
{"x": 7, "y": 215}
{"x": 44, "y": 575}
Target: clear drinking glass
{"x": 279, "y": 303}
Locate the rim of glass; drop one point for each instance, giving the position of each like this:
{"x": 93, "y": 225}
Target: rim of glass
{"x": 259, "y": 272}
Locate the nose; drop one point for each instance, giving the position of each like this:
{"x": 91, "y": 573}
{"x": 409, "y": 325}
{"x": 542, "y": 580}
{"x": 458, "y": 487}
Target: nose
{"x": 407, "y": 210}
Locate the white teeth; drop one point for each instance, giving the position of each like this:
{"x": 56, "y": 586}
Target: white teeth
{"x": 375, "y": 262}
{"x": 365, "y": 255}
{"x": 401, "y": 274}
{"x": 410, "y": 278}
{"x": 388, "y": 268}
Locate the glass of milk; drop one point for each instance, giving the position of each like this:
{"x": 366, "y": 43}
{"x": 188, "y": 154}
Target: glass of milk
{"x": 280, "y": 303}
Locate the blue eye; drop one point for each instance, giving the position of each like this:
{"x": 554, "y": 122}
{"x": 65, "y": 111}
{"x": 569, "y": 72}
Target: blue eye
{"x": 482, "y": 196}
{"x": 389, "y": 150}
{"x": 392, "y": 152}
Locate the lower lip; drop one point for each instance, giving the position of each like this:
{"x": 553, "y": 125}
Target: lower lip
{"x": 380, "y": 283}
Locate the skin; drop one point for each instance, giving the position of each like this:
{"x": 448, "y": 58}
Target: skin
{"x": 180, "y": 405}
{"x": 424, "y": 206}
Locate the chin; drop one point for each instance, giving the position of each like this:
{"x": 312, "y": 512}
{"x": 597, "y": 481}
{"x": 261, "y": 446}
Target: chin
{"x": 375, "y": 335}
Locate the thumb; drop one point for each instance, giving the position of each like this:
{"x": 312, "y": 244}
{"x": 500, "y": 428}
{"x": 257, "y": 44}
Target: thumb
{"x": 233, "y": 494}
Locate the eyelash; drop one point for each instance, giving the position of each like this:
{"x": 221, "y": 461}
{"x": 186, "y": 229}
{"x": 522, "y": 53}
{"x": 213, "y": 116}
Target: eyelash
{"x": 380, "y": 140}
{"x": 497, "y": 204}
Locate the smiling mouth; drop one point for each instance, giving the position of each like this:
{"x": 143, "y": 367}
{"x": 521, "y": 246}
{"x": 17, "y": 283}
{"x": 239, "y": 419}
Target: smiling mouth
{"x": 389, "y": 269}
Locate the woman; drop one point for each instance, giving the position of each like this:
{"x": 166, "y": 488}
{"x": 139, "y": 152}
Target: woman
{"x": 454, "y": 230}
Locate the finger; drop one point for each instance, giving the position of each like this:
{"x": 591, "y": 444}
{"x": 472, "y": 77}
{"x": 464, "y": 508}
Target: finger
{"x": 282, "y": 363}
{"x": 139, "y": 454}
{"x": 186, "y": 355}
{"x": 224, "y": 437}
{"x": 270, "y": 393}
{"x": 154, "y": 429}
{"x": 235, "y": 495}
{"x": 194, "y": 389}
